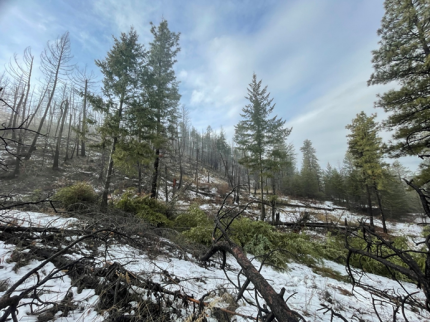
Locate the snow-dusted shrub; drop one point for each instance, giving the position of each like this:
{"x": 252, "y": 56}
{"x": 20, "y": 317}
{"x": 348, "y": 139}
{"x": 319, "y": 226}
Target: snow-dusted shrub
{"x": 77, "y": 196}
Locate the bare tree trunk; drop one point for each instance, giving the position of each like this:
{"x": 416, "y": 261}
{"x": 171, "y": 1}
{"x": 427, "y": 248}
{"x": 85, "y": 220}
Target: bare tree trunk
{"x": 84, "y": 124}
{"x": 68, "y": 138}
{"x": 38, "y": 106}
{"x": 60, "y": 134}
{"x": 15, "y": 117}
{"x": 197, "y": 169}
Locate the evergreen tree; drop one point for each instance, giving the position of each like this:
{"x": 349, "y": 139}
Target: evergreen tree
{"x": 311, "y": 171}
{"x": 161, "y": 88}
{"x": 121, "y": 69}
{"x": 364, "y": 144}
{"x": 257, "y": 135}
{"x": 354, "y": 188}
{"x": 404, "y": 58}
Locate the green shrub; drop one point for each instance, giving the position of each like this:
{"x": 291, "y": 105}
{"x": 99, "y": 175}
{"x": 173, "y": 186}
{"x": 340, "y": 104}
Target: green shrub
{"x": 193, "y": 218}
{"x": 136, "y": 204}
{"x": 195, "y": 225}
{"x": 151, "y": 210}
{"x": 199, "y": 234}
{"x": 155, "y": 218}
{"x": 77, "y": 196}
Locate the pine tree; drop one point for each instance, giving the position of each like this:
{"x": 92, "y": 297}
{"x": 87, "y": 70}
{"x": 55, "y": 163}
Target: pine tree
{"x": 161, "y": 88}
{"x": 121, "y": 69}
{"x": 355, "y": 196}
{"x": 257, "y": 135}
{"x": 404, "y": 58}
{"x": 311, "y": 171}
{"x": 364, "y": 144}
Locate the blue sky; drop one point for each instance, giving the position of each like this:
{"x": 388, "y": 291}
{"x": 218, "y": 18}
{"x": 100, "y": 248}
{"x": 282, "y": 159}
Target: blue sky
{"x": 314, "y": 55}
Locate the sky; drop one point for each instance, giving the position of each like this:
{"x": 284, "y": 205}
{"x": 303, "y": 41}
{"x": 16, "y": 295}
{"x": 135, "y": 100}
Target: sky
{"x": 313, "y": 55}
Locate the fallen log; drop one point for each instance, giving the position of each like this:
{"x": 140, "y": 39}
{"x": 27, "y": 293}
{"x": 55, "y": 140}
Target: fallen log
{"x": 286, "y": 204}
{"x": 274, "y": 300}
{"x": 311, "y": 225}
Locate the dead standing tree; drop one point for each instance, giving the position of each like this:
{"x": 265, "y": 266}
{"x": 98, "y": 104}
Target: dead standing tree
{"x": 55, "y": 65}
{"x": 221, "y": 242}
{"x": 82, "y": 81}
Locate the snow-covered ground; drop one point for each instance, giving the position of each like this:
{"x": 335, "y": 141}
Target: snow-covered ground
{"x": 306, "y": 289}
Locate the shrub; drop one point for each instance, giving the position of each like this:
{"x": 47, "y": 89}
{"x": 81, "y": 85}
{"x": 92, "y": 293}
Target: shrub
{"x": 77, "y": 196}
{"x": 155, "y": 218}
{"x": 193, "y": 218}
{"x": 198, "y": 227}
{"x": 151, "y": 210}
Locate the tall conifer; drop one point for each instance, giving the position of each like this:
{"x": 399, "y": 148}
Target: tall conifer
{"x": 257, "y": 134}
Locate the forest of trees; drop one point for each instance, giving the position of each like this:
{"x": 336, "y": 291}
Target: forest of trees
{"x": 134, "y": 121}
{"x": 138, "y": 124}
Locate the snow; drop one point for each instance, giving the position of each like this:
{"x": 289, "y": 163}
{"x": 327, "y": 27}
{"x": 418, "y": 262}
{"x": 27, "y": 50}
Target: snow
{"x": 306, "y": 288}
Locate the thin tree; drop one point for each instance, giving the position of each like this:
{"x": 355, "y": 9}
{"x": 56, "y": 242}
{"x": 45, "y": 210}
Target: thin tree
{"x": 257, "y": 134}
{"x": 55, "y": 64}
{"x": 82, "y": 80}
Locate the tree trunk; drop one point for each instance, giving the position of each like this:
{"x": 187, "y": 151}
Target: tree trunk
{"x": 139, "y": 181}
{"x": 103, "y": 206}
{"x": 197, "y": 169}
{"x": 165, "y": 186}
{"x": 263, "y": 210}
{"x": 68, "y": 139}
{"x": 378, "y": 197}
{"x": 39, "y": 129}
{"x": 276, "y": 303}
{"x": 84, "y": 124}
{"x": 60, "y": 134}
{"x": 238, "y": 185}
{"x": 15, "y": 117}
{"x": 369, "y": 208}
{"x": 155, "y": 174}
{"x": 33, "y": 144}
{"x": 37, "y": 108}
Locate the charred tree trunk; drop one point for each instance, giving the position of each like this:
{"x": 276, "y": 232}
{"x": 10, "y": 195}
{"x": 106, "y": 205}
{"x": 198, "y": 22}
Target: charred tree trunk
{"x": 15, "y": 117}
{"x": 84, "y": 116}
{"x": 60, "y": 134}
{"x": 38, "y": 106}
{"x": 68, "y": 139}
{"x": 36, "y": 136}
